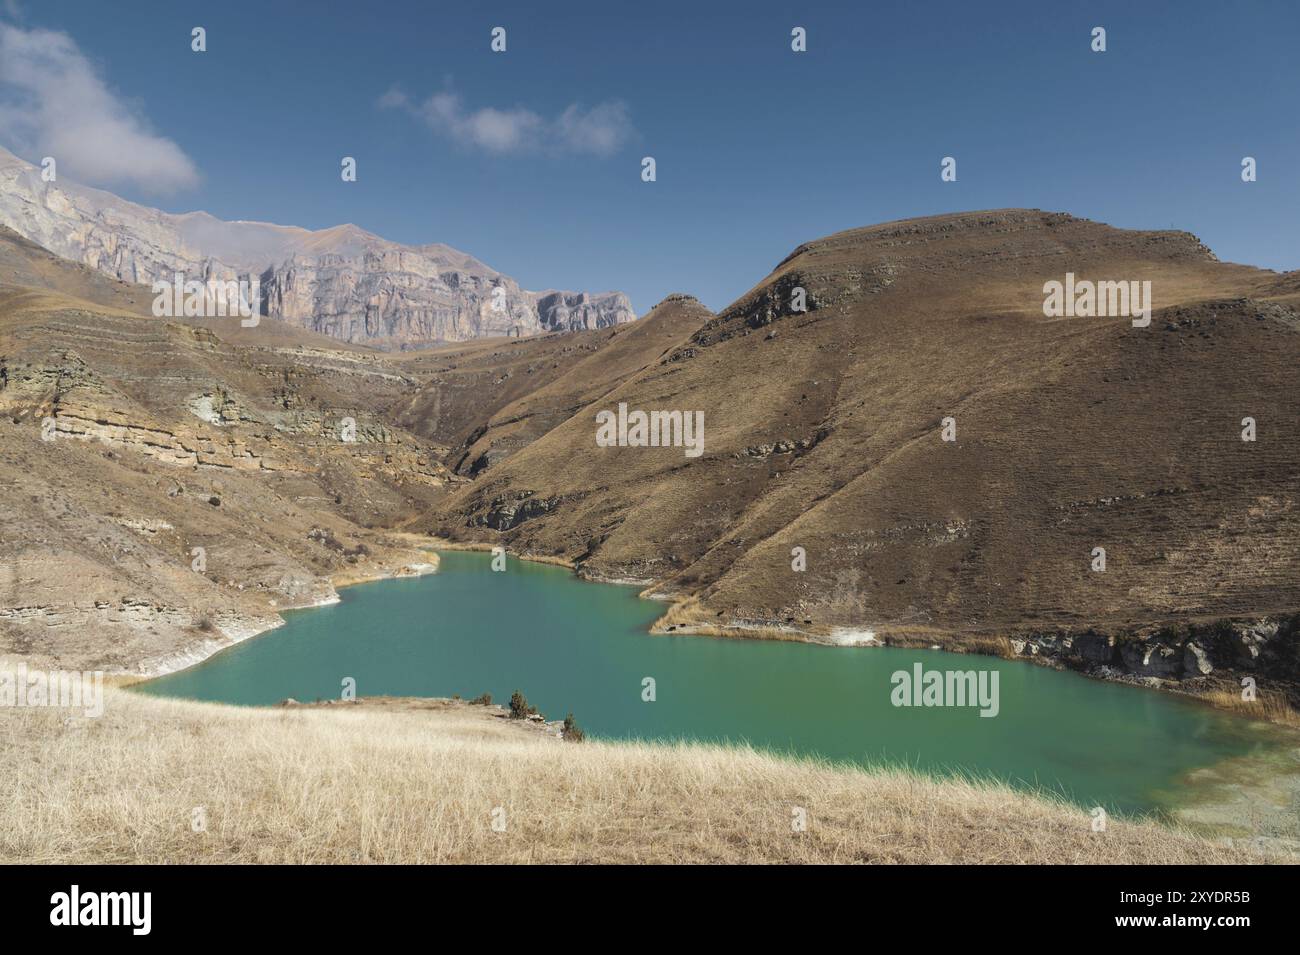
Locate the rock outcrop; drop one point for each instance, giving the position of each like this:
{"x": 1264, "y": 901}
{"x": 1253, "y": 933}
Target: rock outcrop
{"x": 1184, "y": 655}
{"x": 343, "y": 282}
{"x": 168, "y": 492}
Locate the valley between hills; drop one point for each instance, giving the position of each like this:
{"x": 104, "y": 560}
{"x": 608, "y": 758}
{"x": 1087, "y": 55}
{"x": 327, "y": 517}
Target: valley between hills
{"x": 172, "y": 485}
{"x": 165, "y": 439}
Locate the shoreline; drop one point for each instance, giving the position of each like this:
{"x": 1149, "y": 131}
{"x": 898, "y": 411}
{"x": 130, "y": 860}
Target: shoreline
{"x": 185, "y": 658}
{"x": 676, "y": 622}
{"x": 1217, "y": 794}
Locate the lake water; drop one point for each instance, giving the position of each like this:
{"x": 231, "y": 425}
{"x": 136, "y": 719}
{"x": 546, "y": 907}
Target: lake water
{"x": 577, "y": 646}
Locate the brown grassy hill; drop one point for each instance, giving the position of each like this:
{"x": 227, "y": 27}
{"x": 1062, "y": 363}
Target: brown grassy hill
{"x": 24, "y": 264}
{"x": 151, "y": 420}
{"x": 823, "y": 431}
{"x": 490, "y": 399}
{"x": 605, "y": 364}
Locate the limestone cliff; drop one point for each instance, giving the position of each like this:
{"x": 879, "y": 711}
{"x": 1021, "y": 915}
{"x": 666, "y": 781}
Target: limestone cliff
{"x": 343, "y": 282}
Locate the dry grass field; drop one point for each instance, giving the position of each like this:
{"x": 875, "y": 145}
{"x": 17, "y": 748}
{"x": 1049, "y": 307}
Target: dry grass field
{"x": 406, "y": 781}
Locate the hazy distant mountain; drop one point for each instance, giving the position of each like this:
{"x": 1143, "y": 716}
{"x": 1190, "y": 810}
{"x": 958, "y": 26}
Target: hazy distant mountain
{"x": 343, "y": 282}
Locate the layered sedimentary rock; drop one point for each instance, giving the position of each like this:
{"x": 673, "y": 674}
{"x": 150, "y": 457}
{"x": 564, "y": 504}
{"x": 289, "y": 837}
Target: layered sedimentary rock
{"x": 167, "y": 492}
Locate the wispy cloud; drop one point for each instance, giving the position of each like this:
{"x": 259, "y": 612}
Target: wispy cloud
{"x": 600, "y": 130}
{"x": 53, "y": 102}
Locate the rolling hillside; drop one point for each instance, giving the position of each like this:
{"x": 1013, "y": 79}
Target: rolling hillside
{"x": 824, "y": 431}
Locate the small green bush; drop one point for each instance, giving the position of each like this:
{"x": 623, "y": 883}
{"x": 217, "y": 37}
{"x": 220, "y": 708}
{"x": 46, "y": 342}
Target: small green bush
{"x": 519, "y": 708}
{"x": 572, "y": 732}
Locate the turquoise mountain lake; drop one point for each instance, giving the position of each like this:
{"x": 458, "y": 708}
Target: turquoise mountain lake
{"x": 572, "y": 645}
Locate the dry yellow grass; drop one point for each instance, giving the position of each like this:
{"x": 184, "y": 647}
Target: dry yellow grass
{"x": 1270, "y": 705}
{"x": 418, "y": 781}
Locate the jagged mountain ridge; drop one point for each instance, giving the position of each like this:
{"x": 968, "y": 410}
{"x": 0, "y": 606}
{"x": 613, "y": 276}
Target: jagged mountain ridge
{"x": 343, "y": 282}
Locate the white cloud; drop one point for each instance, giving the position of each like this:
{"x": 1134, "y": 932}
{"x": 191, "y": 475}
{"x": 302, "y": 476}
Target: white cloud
{"x": 53, "y": 102}
{"x": 601, "y": 130}
{"x": 394, "y": 99}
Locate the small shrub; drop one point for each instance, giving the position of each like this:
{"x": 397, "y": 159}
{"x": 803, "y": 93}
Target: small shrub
{"x": 483, "y": 700}
{"x": 519, "y": 708}
{"x": 572, "y": 732}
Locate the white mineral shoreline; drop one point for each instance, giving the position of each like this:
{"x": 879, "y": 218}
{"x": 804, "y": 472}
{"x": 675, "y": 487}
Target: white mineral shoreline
{"x": 245, "y": 628}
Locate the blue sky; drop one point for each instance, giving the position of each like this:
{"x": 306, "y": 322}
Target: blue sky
{"x": 757, "y": 148}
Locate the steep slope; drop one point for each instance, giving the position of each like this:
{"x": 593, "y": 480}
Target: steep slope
{"x": 26, "y": 265}
{"x": 824, "y": 431}
{"x": 342, "y": 282}
{"x": 130, "y": 445}
{"x": 490, "y": 401}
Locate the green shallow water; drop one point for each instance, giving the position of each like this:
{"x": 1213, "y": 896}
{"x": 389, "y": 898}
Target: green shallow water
{"x": 571, "y": 645}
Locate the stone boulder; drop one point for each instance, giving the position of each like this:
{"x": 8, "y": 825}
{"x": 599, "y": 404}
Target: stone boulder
{"x": 505, "y": 514}
{"x": 1249, "y": 641}
{"x": 1195, "y": 661}
{"x": 1098, "y": 648}
{"x": 1150, "y": 658}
